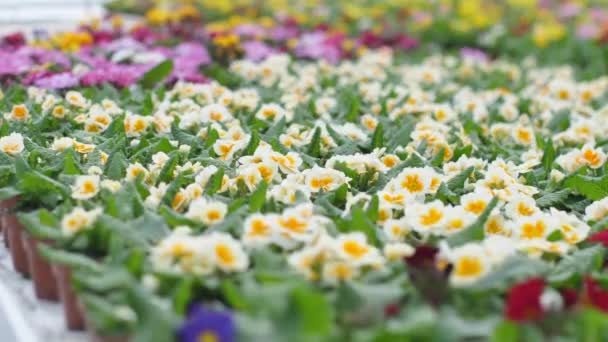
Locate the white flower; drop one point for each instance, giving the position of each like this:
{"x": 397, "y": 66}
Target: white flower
{"x": 62, "y": 144}
{"x": 76, "y": 99}
{"x": 12, "y": 144}
{"x": 597, "y": 210}
{"x": 259, "y": 230}
{"x": 78, "y": 219}
{"x": 270, "y": 111}
{"x": 338, "y": 271}
{"x": 396, "y": 229}
{"x": 398, "y": 251}
{"x": 207, "y": 212}
{"x": 85, "y": 187}
{"x": 353, "y": 248}
{"x": 428, "y": 218}
{"x": 228, "y": 253}
{"x": 324, "y": 179}
{"x": 470, "y": 264}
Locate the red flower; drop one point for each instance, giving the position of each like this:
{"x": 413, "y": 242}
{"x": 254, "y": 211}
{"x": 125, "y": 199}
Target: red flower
{"x": 601, "y": 237}
{"x": 391, "y": 310}
{"x": 523, "y": 300}
{"x": 569, "y": 296}
{"x": 596, "y": 295}
{"x": 423, "y": 257}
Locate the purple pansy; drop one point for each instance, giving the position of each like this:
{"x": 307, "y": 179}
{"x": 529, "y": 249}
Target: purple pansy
{"x": 205, "y": 323}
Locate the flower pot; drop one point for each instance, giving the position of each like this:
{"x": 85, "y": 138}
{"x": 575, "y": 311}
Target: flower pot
{"x": 4, "y": 230}
{"x": 18, "y": 255}
{"x": 94, "y": 335}
{"x": 74, "y": 316}
{"x": 43, "y": 278}
{"x": 5, "y": 207}
{"x": 105, "y": 338}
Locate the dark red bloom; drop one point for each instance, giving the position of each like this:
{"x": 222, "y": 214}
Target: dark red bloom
{"x": 596, "y": 294}
{"x": 523, "y": 300}
{"x": 601, "y": 237}
{"x": 392, "y": 310}
{"x": 14, "y": 40}
{"x": 423, "y": 257}
{"x": 569, "y": 296}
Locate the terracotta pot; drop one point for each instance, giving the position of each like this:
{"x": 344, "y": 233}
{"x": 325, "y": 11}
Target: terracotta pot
{"x": 101, "y": 338}
{"x": 15, "y": 230}
{"x": 5, "y": 207}
{"x": 43, "y": 278}
{"x": 3, "y": 218}
{"x": 74, "y": 316}
{"x": 96, "y": 336}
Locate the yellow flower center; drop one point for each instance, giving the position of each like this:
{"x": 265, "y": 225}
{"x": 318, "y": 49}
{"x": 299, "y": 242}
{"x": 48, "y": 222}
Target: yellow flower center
{"x": 355, "y": 249}
{"x": 533, "y": 230}
{"x": 224, "y": 254}
{"x": 475, "y": 207}
{"x": 524, "y": 210}
{"x": 433, "y": 216}
{"x": 293, "y": 224}
{"x": 468, "y": 266}
{"x": 208, "y": 336}
{"x": 412, "y": 183}
{"x": 89, "y": 187}
{"x": 213, "y": 215}
{"x": 259, "y": 228}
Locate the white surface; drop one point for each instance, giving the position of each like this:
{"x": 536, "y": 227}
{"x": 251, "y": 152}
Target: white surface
{"x": 31, "y": 319}
{"x": 53, "y": 15}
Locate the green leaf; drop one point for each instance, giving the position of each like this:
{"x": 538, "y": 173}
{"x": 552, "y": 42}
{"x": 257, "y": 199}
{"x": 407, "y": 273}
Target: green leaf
{"x": 591, "y": 187}
{"x": 314, "y": 149}
{"x": 157, "y": 74}
{"x": 71, "y": 166}
{"x": 506, "y": 331}
{"x": 551, "y": 199}
{"x": 8, "y": 192}
{"x": 254, "y": 141}
{"x": 275, "y": 130}
{"x": 581, "y": 262}
{"x": 437, "y": 160}
{"x": 182, "y": 295}
{"x": 313, "y": 313}
{"x": 560, "y": 121}
{"x": 215, "y": 182}
{"x": 457, "y": 182}
{"x": 361, "y": 222}
{"x": 166, "y": 173}
{"x": 61, "y": 257}
{"x": 378, "y": 137}
{"x": 515, "y": 268}
{"x": 548, "y": 155}
{"x": 34, "y": 182}
{"x": 116, "y": 166}
{"x": 258, "y": 197}
{"x": 475, "y": 231}
{"x": 40, "y": 224}
{"x": 233, "y": 296}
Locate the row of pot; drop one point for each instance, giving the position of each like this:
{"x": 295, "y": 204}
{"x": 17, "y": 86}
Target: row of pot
{"x": 51, "y": 281}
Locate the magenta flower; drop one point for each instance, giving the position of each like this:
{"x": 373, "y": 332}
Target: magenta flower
{"x": 474, "y": 54}
{"x": 58, "y": 81}
{"x": 257, "y": 51}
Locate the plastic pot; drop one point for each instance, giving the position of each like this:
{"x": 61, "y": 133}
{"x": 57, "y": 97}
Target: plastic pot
{"x": 18, "y": 255}
{"x": 74, "y": 316}
{"x": 45, "y": 285}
